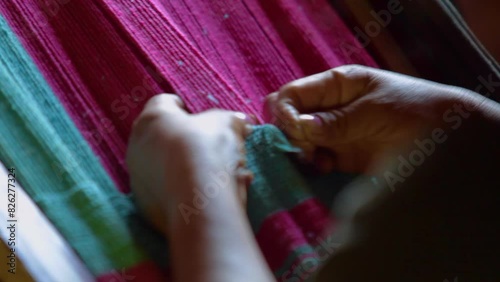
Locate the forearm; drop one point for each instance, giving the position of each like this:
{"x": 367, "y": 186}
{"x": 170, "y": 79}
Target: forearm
{"x": 212, "y": 240}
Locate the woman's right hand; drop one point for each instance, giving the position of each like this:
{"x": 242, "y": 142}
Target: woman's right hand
{"x": 359, "y": 114}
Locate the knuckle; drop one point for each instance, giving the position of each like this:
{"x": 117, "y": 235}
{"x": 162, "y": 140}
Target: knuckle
{"x": 348, "y": 71}
{"x": 289, "y": 90}
{"x": 235, "y": 122}
{"x": 143, "y": 122}
{"x": 338, "y": 122}
{"x": 158, "y": 99}
{"x": 270, "y": 98}
{"x": 163, "y": 101}
{"x": 350, "y": 68}
{"x": 270, "y": 102}
{"x": 238, "y": 126}
{"x": 358, "y": 72}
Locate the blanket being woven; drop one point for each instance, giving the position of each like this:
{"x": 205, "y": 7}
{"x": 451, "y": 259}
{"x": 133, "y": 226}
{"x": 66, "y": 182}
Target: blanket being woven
{"x": 74, "y": 75}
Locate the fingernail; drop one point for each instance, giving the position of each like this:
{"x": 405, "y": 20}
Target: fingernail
{"x": 310, "y": 121}
{"x": 245, "y": 175}
{"x": 241, "y": 116}
{"x": 248, "y": 129}
{"x": 248, "y": 118}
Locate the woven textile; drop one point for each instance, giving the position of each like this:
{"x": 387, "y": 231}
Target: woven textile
{"x": 104, "y": 58}
{"x": 69, "y": 95}
{"x": 56, "y": 165}
{"x": 281, "y": 203}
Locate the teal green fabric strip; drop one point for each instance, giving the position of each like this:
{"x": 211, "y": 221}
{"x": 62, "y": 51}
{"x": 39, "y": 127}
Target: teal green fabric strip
{"x": 57, "y": 167}
{"x": 278, "y": 183}
{"x": 267, "y": 150}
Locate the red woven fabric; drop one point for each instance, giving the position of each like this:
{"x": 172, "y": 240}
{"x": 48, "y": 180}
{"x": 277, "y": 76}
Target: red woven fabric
{"x": 104, "y": 58}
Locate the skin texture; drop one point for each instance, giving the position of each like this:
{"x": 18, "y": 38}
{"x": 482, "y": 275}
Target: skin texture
{"x": 354, "y": 116}
{"x": 191, "y": 189}
{"x": 347, "y": 119}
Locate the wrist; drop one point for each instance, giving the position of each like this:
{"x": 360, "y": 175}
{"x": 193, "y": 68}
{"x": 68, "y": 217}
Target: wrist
{"x": 468, "y": 102}
{"x": 202, "y": 198}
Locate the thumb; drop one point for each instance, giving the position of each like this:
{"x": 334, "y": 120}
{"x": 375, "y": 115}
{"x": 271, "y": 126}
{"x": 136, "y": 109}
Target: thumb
{"x": 334, "y": 127}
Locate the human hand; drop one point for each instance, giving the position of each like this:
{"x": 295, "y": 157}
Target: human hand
{"x": 173, "y": 155}
{"x": 358, "y": 114}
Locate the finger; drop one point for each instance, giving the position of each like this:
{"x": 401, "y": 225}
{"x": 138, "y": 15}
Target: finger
{"x": 245, "y": 176}
{"x": 244, "y": 179}
{"x": 278, "y": 113}
{"x": 239, "y": 122}
{"x": 342, "y": 126}
{"x": 242, "y": 124}
{"x": 156, "y": 108}
{"x": 332, "y": 88}
{"x": 242, "y": 162}
{"x": 324, "y": 91}
{"x": 269, "y": 109}
{"x": 165, "y": 103}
